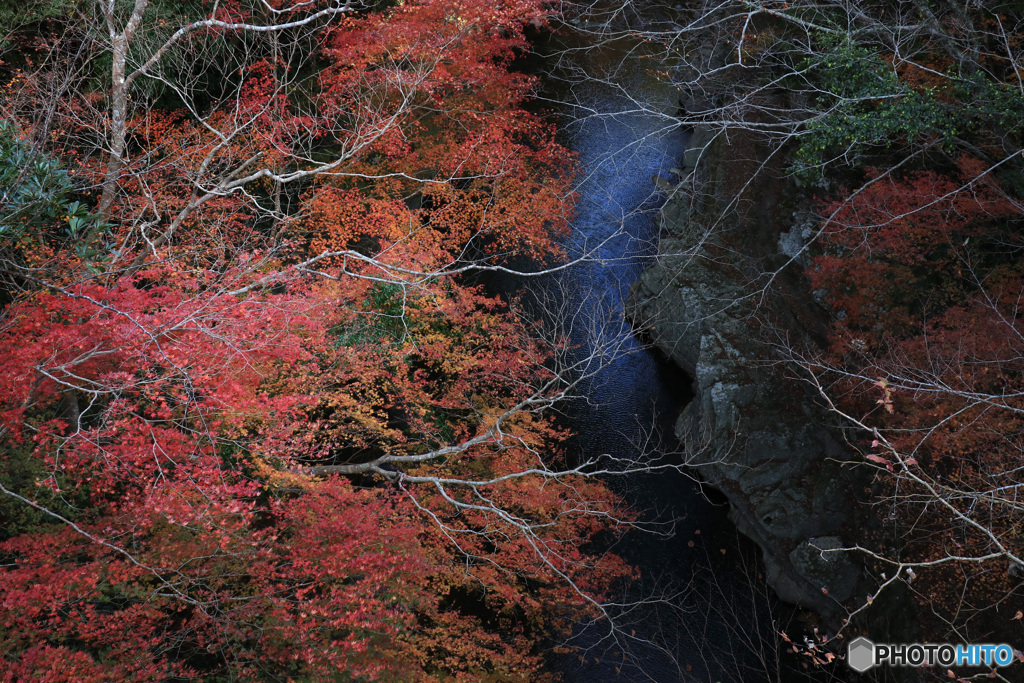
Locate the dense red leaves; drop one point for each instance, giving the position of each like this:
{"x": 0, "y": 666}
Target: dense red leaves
{"x": 446, "y": 108}
{"x": 927, "y": 343}
{"x": 898, "y": 238}
{"x": 178, "y": 398}
{"x": 182, "y": 457}
{"x": 158, "y": 345}
{"x": 325, "y": 587}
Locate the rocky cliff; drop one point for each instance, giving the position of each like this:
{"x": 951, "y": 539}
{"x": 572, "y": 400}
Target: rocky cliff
{"x": 717, "y": 303}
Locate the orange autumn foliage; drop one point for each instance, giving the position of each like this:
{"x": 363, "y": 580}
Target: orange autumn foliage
{"x": 254, "y": 423}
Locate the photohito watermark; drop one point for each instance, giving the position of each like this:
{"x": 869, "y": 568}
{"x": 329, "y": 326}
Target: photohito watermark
{"x": 862, "y": 654}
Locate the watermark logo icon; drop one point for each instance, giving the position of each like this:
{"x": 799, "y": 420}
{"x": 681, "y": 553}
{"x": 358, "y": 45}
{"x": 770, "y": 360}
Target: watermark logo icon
{"x": 862, "y": 654}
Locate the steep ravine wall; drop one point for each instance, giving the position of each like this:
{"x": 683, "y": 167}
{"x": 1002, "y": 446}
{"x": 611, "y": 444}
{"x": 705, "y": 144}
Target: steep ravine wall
{"x": 752, "y": 432}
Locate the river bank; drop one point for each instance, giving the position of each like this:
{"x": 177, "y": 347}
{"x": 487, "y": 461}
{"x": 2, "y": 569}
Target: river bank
{"x": 752, "y": 433}
{"x": 702, "y": 610}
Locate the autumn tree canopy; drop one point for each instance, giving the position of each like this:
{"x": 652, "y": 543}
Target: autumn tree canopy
{"x": 255, "y": 420}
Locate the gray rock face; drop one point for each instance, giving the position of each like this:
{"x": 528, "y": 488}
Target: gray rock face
{"x": 824, "y": 561}
{"x": 750, "y": 432}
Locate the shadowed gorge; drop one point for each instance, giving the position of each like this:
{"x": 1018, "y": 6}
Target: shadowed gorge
{"x": 462, "y": 340}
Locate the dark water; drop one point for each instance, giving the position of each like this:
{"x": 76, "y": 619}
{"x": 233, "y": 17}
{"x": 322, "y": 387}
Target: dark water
{"x": 700, "y": 612}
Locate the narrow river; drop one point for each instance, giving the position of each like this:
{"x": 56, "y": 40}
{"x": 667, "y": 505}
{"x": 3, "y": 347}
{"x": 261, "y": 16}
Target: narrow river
{"x": 704, "y": 615}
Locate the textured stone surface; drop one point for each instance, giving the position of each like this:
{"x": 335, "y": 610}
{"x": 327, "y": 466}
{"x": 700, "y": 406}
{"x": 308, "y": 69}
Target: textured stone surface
{"x": 753, "y": 434}
{"x": 822, "y": 560}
